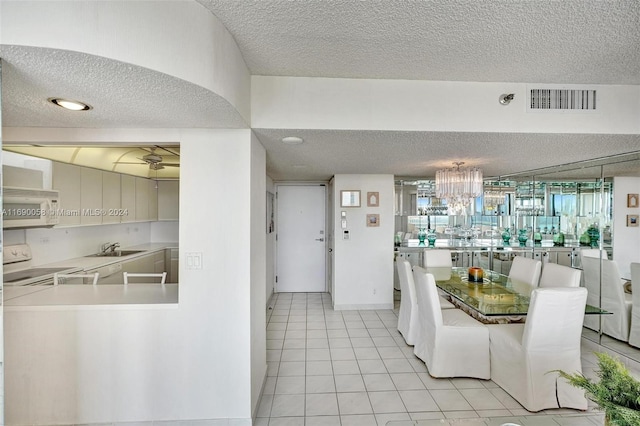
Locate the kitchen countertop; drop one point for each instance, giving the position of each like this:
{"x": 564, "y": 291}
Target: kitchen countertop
{"x": 78, "y": 294}
{"x": 88, "y": 263}
{"x": 104, "y": 294}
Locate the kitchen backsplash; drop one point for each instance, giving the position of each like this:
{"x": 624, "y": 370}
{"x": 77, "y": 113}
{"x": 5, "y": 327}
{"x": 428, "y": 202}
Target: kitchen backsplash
{"x": 56, "y": 244}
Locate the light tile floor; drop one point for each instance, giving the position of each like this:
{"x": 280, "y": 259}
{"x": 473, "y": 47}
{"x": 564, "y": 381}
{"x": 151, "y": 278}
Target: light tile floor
{"x": 351, "y": 368}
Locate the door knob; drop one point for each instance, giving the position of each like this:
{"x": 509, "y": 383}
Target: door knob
{"x": 319, "y": 239}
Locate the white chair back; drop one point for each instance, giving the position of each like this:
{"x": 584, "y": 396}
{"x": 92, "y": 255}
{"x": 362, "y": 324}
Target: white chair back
{"x": 62, "y": 278}
{"x": 408, "y": 313}
{"x": 554, "y": 275}
{"x": 593, "y": 253}
{"x": 634, "y": 334}
{"x": 429, "y": 312}
{"x": 525, "y": 270}
{"x": 437, "y": 258}
{"x": 554, "y": 320}
{"x": 606, "y": 285}
{"x": 161, "y": 275}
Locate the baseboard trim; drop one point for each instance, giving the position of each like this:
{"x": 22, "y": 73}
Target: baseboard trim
{"x": 378, "y": 306}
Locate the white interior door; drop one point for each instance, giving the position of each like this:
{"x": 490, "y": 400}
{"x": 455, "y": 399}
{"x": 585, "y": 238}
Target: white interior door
{"x": 301, "y": 239}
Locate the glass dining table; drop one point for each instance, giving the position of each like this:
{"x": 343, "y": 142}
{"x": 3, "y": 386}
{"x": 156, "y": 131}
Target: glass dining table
{"x": 495, "y": 299}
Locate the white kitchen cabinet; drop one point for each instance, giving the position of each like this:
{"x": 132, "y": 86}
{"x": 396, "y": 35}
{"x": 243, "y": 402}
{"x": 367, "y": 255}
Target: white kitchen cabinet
{"x": 153, "y": 200}
{"x": 168, "y": 199}
{"x": 142, "y": 199}
{"x": 171, "y": 258}
{"x": 90, "y": 196}
{"x": 66, "y": 179}
{"x": 111, "y": 197}
{"x": 158, "y": 262}
{"x": 128, "y": 198}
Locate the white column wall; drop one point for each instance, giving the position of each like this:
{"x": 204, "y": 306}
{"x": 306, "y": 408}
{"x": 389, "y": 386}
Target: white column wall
{"x": 271, "y": 250}
{"x": 363, "y": 265}
{"x": 412, "y": 105}
{"x": 151, "y": 34}
{"x": 200, "y": 359}
{"x": 626, "y": 240}
{"x": 257, "y": 262}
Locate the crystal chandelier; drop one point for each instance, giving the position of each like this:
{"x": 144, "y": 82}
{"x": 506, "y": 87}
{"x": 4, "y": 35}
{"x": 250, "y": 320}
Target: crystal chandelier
{"x": 458, "y": 186}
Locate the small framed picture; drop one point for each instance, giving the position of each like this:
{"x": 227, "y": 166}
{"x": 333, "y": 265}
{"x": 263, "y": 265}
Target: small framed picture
{"x": 373, "y": 220}
{"x": 632, "y": 220}
{"x": 632, "y": 200}
{"x": 373, "y": 199}
{"x": 349, "y": 198}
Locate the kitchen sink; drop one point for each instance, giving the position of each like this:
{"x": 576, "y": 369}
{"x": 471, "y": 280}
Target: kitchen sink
{"x": 117, "y": 253}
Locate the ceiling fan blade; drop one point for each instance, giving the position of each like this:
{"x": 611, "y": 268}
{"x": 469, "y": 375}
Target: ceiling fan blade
{"x": 126, "y": 162}
{"x": 171, "y": 164}
{"x": 168, "y": 150}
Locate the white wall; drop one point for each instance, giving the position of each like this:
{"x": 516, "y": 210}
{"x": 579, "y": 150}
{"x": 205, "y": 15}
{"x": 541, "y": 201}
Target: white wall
{"x": 412, "y": 105}
{"x": 257, "y": 263}
{"x": 197, "y": 360}
{"x": 626, "y": 240}
{"x": 56, "y": 244}
{"x": 271, "y": 250}
{"x": 151, "y": 34}
{"x": 363, "y": 265}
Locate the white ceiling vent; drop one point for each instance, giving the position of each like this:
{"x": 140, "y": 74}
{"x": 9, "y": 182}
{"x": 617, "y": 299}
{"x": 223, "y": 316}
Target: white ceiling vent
{"x": 561, "y": 100}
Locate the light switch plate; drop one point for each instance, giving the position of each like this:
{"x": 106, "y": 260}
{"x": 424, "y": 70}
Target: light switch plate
{"x": 194, "y": 260}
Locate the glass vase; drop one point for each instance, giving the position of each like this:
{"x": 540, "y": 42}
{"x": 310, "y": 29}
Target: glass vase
{"x": 431, "y": 238}
{"x": 522, "y": 237}
{"x": 506, "y": 236}
{"x": 421, "y": 236}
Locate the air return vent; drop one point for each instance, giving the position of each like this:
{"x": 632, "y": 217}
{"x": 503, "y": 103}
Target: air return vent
{"x": 562, "y": 99}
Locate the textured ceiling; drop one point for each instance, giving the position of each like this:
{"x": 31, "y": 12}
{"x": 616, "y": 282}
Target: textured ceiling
{"x": 543, "y": 41}
{"x": 123, "y": 95}
{"x": 121, "y": 159}
{"x": 420, "y": 154}
{"x": 570, "y": 41}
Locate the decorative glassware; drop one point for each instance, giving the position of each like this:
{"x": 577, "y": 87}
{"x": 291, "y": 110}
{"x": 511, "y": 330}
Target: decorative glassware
{"x": 522, "y": 237}
{"x": 537, "y": 237}
{"x": 506, "y": 236}
{"x": 431, "y": 238}
{"x": 594, "y": 235}
{"x": 421, "y": 236}
{"x": 558, "y": 239}
{"x": 585, "y": 239}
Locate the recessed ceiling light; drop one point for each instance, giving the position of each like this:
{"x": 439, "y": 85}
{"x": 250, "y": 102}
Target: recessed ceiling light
{"x": 292, "y": 140}
{"x": 70, "y": 105}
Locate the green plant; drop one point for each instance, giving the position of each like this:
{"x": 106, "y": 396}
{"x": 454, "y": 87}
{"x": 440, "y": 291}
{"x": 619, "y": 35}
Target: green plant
{"x": 617, "y": 393}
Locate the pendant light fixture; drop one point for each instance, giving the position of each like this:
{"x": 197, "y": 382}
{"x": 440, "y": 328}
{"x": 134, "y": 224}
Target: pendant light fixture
{"x": 458, "y": 186}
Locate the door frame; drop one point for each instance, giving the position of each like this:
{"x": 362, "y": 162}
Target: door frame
{"x": 276, "y": 186}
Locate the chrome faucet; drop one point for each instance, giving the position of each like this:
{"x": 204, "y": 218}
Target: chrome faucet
{"x": 108, "y": 246}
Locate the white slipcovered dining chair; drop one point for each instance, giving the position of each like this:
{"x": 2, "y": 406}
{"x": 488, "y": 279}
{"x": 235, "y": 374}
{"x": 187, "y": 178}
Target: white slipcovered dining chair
{"x": 450, "y": 342}
{"x": 438, "y": 262}
{"x": 525, "y": 270}
{"x": 408, "y": 313}
{"x": 524, "y": 356}
{"x": 554, "y": 275}
{"x": 634, "y": 333}
{"x": 149, "y": 278}
{"x": 73, "y": 278}
{"x": 419, "y": 274}
{"x": 607, "y": 286}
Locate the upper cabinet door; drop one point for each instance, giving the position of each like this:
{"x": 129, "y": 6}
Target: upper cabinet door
{"x": 66, "y": 179}
{"x": 90, "y": 196}
{"x": 111, "y": 197}
{"x": 142, "y": 199}
{"x": 168, "y": 199}
{"x": 128, "y": 198}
